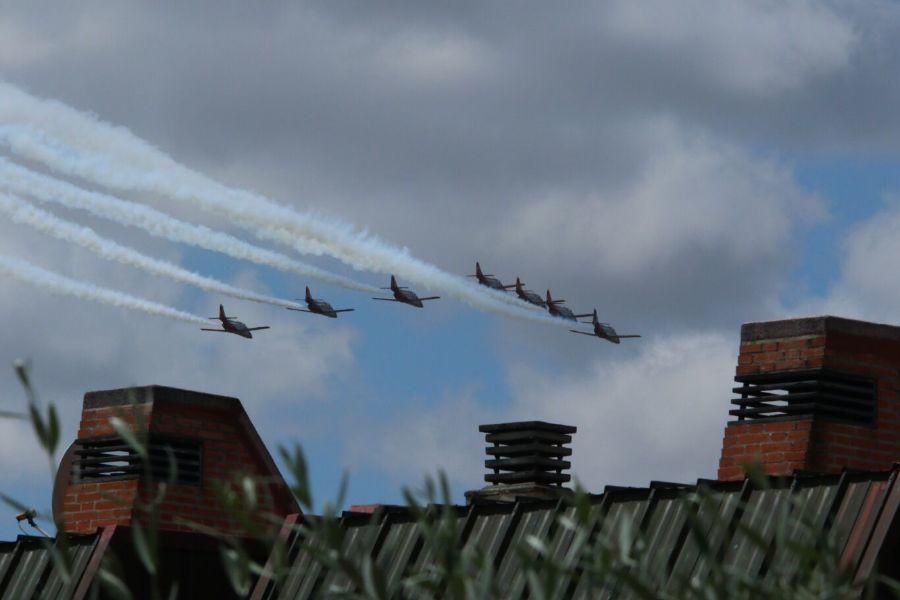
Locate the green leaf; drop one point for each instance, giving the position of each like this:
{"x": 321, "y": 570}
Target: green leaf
{"x": 37, "y": 423}
{"x": 235, "y": 564}
{"x": 296, "y": 464}
{"x": 173, "y": 592}
{"x": 52, "y": 428}
{"x": 249, "y": 486}
{"x": 127, "y": 433}
{"x": 13, "y": 502}
{"x": 62, "y": 559}
{"x": 142, "y": 547}
{"x": 114, "y": 586}
{"x": 21, "y": 368}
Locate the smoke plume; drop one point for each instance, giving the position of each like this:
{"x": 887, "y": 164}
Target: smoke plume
{"x": 21, "y": 212}
{"x": 17, "y": 179}
{"x": 80, "y": 145}
{"x": 60, "y": 285}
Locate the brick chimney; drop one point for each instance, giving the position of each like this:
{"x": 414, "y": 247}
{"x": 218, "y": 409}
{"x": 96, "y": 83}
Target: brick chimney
{"x": 101, "y": 479}
{"x": 819, "y": 394}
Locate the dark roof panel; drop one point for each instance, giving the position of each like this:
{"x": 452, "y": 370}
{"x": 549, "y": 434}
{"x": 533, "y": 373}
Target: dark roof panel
{"x": 856, "y": 509}
{"x": 27, "y": 569}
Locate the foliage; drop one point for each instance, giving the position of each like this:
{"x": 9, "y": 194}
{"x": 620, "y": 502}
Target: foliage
{"x": 615, "y": 564}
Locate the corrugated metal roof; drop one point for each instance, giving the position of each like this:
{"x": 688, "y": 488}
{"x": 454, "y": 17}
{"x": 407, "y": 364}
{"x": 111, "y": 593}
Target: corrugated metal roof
{"x": 28, "y": 569}
{"x": 855, "y": 509}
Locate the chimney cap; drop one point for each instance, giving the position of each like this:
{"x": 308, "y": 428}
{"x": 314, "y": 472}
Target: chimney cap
{"x": 525, "y": 459}
{"x": 149, "y": 393}
{"x": 527, "y": 425}
{"x": 817, "y": 326}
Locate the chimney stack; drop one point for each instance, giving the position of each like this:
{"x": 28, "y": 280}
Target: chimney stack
{"x": 102, "y": 480}
{"x": 526, "y": 460}
{"x": 817, "y": 394}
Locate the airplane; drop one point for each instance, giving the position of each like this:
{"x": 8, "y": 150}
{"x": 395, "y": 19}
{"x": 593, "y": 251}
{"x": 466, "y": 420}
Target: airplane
{"x": 527, "y": 295}
{"x": 404, "y": 295}
{"x": 561, "y": 311}
{"x": 319, "y": 307}
{"x": 232, "y": 325}
{"x": 604, "y": 331}
{"x": 488, "y": 280}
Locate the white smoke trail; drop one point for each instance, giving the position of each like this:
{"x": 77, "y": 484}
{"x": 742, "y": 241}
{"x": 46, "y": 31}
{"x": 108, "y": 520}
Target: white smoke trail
{"x": 58, "y": 284}
{"x": 21, "y": 212}
{"x": 18, "y": 179}
{"x": 106, "y": 149}
{"x": 304, "y": 232}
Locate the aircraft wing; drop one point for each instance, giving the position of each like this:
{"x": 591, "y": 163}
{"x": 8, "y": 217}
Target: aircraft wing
{"x": 631, "y": 335}
{"x": 344, "y": 310}
{"x": 385, "y": 299}
{"x": 219, "y": 330}
{"x": 582, "y": 332}
{"x": 298, "y": 309}
{"x": 430, "y": 298}
{"x": 581, "y": 316}
{"x": 258, "y": 328}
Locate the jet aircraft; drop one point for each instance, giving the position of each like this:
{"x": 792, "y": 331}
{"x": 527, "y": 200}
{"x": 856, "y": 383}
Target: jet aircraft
{"x": 232, "y": 325}
{"x": 319, "y": 307}
{"x": 527, "y": 295}
{"x": 488, "y": 280}
{"x": 557, "y": 310}
{"x": 605, "y": 331}
{"x": 404, "y": 295}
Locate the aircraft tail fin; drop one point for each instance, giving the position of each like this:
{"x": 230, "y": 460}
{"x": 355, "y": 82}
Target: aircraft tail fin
{"x": 393, "y": 283}
{"x": 550, "y": 299}
{"x": 221, "y": 312}
{"x": 308, "y": 295}
{"x": 478, "y": 272}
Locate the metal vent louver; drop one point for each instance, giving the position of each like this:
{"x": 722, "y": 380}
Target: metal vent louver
{"x": 820, "y": 393}
{"x": 111, "y": 458}
{"x": 528, "y": 452}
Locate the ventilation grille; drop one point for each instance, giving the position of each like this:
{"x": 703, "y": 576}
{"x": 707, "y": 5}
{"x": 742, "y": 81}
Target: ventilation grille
{"x": 818, "y": 393}
{"x": 104, "y": 459}
{"x": 528, "y": 452}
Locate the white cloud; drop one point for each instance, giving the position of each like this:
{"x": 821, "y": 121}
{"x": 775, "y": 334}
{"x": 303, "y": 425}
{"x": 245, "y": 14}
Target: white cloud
{"x": 695, "y": 194}
{"x": 659, "y": 414}
{"x": 866, "y": 287}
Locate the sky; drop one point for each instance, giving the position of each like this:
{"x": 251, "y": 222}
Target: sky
{"x": 682, "y": 170}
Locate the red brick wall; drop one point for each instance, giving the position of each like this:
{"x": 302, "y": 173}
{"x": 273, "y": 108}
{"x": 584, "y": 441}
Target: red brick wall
{"x": 851, "y": 347}
{"x": 230, "y": 448}
{"x": 807, "y": 352}
{"x": 780, "y": 447}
